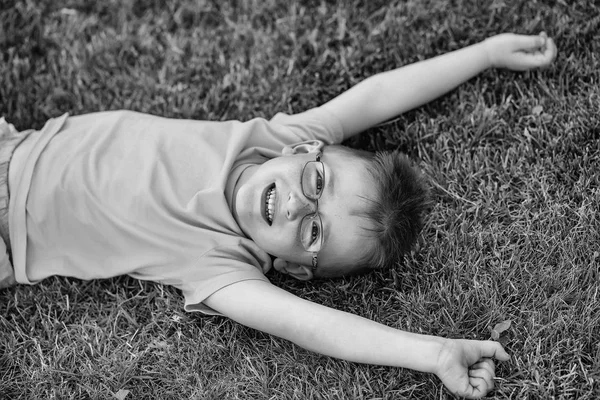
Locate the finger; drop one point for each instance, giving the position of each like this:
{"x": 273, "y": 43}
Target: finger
{"x": 490, "y": 349}
{"x": 550, "y": 51}
{"x": 533, "y": 60}
{"x": 481, "y": 377}
{"x": 528, "y": 43}
{"x": 477, "y": 388}
{"x": 544, "y": 36}
{"x": 486, "y": 364}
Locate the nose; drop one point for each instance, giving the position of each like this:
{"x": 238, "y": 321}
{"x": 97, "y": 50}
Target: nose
{"x": 298, "y": 206}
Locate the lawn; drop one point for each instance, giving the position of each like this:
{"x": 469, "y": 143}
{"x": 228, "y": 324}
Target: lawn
{"x": 513, "y": 160}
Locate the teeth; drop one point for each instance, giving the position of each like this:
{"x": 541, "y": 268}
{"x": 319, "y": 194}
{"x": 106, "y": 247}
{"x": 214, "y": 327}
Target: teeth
{"x": 270, "y": 204}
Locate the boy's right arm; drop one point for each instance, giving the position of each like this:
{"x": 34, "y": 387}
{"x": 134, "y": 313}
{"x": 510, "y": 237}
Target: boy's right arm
{"x": 464, "y": 366}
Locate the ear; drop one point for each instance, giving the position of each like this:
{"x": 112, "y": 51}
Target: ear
{"x": 308, "y": 146}
{"x": 300, "y": 272}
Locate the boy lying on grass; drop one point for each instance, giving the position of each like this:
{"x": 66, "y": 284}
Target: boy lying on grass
{"x": 203, "y": 206}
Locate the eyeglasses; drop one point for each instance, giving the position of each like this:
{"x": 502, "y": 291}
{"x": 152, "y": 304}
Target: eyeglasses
{"x": 311, "y": 227}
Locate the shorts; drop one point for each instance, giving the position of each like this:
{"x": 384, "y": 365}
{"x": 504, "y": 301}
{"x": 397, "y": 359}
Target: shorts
{"x": 10, "y": 138}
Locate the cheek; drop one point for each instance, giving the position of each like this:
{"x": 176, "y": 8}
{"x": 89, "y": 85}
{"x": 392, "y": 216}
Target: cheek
{"x": 280, "y": 243}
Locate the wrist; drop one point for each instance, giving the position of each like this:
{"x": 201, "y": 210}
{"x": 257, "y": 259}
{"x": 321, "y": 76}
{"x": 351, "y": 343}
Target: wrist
{"x": 434, "y": 348}
{"x": 490, "y": 53}
{"x": 414, "y": 351}
{"x": 447, "y": 353}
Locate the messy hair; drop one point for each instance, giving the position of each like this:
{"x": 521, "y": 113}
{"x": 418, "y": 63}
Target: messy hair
{"x": 394, "y": 214}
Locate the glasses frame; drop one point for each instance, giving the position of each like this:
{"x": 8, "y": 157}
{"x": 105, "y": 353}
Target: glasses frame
{"x": 316, "y": 213}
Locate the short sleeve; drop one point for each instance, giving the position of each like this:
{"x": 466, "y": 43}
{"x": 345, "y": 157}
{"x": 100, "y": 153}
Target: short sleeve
{"x": 221, "y": 267}
{"x": 266, "y": 139}
{"x": 316, "y": 123}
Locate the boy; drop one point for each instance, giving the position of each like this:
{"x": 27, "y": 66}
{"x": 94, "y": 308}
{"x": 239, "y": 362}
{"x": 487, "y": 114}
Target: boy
{"x": 204, "y": 205}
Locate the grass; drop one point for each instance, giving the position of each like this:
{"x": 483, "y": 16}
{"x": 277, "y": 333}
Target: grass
{"x": 513, "y": 159}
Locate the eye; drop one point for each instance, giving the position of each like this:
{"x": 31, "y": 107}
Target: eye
{"x": 315, "y": 231}
{"x": 313, "y": 179}
{"x": 318, "y": 182}
{"x": 312, "y": 233}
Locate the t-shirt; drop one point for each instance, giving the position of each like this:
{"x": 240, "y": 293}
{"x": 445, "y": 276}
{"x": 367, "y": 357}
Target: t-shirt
{"x": 125, "y": 193}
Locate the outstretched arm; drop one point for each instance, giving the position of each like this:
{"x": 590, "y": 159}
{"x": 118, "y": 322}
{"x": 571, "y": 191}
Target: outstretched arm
{"x": 464, "y": 366}
{"x": 388, "y": 94}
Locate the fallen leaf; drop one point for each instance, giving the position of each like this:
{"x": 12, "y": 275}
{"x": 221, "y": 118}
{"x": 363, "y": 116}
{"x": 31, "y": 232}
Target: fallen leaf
{"x": 502, "y": 326}
{"x": 121, "y": 394}
{"x": 537, "y": 110}
{"x": 499, "y": 328}
{"x": 158, "y": 344}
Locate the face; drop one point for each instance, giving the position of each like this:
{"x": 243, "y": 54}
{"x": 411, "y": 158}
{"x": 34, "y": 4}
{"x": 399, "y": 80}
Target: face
{"x": 271, "y": 206}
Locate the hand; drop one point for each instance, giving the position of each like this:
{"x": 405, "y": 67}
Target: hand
{"x": 520, "y": 52}
{"x": 466, "y": 366}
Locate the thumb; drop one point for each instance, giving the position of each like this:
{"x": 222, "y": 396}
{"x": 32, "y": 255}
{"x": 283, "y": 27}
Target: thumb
{"x": 490, "y": 349}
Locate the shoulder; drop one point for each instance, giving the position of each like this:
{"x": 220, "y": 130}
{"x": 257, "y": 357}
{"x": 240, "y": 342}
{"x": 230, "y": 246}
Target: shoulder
{"x": 316, "y": 123}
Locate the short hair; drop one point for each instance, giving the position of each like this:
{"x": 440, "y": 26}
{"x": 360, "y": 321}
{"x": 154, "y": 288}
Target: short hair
{"x": 394, "y": 214}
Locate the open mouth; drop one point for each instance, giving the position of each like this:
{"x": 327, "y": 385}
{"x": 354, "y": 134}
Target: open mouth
{"x": 270, "y": 198}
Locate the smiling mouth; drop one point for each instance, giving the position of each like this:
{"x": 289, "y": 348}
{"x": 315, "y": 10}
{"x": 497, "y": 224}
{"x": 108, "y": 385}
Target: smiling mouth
{"x": 270, "y": 198}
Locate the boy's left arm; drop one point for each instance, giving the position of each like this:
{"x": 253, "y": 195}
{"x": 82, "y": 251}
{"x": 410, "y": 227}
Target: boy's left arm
{"x": 388, "y": 94}
{"x": 464, "y": 366}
